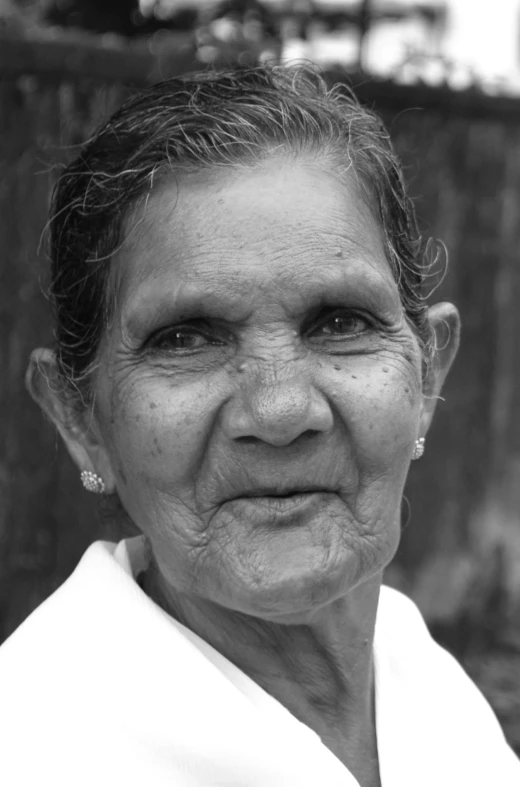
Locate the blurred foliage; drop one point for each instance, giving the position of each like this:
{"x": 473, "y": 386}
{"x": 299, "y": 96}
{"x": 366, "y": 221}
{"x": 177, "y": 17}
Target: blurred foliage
{"x": 122, "y": 17}
{"x": 19, "y": 14}
{"x": 242, "y": 26}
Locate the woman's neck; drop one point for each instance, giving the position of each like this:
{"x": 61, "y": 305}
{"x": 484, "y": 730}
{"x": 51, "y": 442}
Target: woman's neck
{"x": 320, "y": 669}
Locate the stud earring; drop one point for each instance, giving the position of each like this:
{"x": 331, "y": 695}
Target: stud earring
{"x": 418, "y": 449}
{"x": 92, "y": 482}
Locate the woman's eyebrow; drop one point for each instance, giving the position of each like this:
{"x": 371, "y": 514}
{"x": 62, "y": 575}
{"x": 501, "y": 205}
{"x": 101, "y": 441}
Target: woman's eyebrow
{"x": 160, "y": 304}
{"x": 357, "y": 282}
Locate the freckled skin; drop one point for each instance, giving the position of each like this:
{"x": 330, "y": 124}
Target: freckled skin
{"x": 270, "y": 406}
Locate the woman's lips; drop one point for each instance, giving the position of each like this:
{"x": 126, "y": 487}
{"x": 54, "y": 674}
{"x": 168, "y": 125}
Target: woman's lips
{"x": 280, "y": 506}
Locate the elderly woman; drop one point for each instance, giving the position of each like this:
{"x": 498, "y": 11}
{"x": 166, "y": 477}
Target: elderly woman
{"x": 244, "y": 368}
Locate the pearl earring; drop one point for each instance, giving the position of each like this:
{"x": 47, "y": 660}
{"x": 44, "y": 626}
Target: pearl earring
{"x": 418, "y": 449}
{"x": 92, "y": 482}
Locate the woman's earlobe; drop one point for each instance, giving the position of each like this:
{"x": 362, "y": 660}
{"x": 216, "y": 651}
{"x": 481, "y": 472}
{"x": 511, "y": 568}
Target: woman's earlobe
{"x": 445, "y": 322}
{"x": 47, "y": 388}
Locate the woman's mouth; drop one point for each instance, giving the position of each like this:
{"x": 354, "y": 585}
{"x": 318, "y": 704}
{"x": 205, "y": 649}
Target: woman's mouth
{"x": 280, "y": 506}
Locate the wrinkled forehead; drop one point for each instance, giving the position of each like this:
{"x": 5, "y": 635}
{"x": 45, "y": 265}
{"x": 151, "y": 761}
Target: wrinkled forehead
{"x": 282, "y": 223}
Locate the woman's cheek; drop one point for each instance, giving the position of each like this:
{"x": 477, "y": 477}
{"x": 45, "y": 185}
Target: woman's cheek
{"x": 381, "y": 407}
{"x": 398, "y": 407}
{"x": 160, "y": 433}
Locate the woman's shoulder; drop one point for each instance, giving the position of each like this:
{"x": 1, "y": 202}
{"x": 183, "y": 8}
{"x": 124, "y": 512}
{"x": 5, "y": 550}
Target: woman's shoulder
{"x": 62, "y": 610}
{"x": 65, "y": 634}
{"x": 425, "y": 695}
{"x": 404, "y": 645}
{"x": 69, "y": 675}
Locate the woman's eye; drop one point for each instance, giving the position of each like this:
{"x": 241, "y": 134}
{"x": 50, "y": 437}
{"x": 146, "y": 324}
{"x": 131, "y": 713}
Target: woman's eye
{"x": 342, "y": 325}
{"x": 180, "y": 339}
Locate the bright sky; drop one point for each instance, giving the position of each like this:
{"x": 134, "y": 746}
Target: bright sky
{"x": 486, "y": 34}
{"x": 481, "y": 38}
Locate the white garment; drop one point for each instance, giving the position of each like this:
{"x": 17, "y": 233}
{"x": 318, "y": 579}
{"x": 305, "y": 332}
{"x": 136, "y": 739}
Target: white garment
{"x": 101, "y": 688}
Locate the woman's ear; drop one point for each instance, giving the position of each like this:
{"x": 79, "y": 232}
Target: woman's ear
{"x": 445, "y": 322}
{"x": 75, "y": 424}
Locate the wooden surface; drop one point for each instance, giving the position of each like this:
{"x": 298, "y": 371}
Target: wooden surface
{"x": 463, "y": 508}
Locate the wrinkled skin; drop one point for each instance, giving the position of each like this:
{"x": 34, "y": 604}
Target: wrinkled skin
{"x": 267, "y": 396}
{"x": 259, "y": 341}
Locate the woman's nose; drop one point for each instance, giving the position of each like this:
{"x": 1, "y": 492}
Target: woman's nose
{"x": 277, "y": 412}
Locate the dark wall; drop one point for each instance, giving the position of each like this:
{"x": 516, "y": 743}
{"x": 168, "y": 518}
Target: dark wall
{"x": 46, "y": 519}
{"x": 465, "y": 493}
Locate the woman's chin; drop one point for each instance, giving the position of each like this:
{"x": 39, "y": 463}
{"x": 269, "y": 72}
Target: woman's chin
{"x": 294, "y": 572}
{"x": 295, "y": 586}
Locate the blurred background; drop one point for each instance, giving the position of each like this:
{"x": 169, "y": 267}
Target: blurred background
{"x": 445, "y": 75}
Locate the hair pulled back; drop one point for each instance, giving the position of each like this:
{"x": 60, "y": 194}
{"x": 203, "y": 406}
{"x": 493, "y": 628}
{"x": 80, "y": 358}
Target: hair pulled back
{"x": 217, "y": 119}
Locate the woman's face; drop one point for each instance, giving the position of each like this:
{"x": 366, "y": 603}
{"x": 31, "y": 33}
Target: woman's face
{"x": 259, "y": 389}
